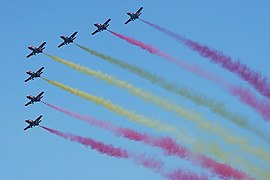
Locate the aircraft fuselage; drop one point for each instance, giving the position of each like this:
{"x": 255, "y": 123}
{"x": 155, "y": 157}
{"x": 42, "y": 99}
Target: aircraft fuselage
{"x": 67, "y": 40}
{"x": 36, "y": 50}
{"x": 134, "y": 16}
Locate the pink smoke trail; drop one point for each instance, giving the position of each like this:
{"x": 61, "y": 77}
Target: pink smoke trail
{"x": 250, "y": 98}
{"x": 194, "y": 69}
{"x": 178, "y": 62}
{"x": 169, "y": 146}
{"x": 151, "y": 163}
{"x": 255, "y": 79}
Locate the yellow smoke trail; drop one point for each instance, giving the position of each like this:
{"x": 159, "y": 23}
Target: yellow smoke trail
{"x": 202, "y": 100}
{"x": 206, "y": 125}
{"x": 197, "y": 146}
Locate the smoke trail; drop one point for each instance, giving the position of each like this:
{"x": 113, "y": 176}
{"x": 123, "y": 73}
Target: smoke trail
{"x": 202, "y": 100}
{"x": 163, "y": 103}
{"x": 169, "y": 146}
{"x": 189, "y": 67}
{"x": 203, "y": 123}
{"x": 222, "y": 132}
{"x": 248, "y": 97}
{"x": 206, "y": 147}
{"x": 178, "y": 62}
{"x": 255, "y": 79}
{"x": 156, "y": 124}
{"x": 150, "y": 163}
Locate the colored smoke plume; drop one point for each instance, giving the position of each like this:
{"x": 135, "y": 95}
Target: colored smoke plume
{"x": 255, "y": 79}
{"x": 141, "y": 159}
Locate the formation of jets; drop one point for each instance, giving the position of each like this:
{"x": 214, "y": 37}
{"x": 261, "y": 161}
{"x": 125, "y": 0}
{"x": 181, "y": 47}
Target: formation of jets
{"x": 66, "y": 40}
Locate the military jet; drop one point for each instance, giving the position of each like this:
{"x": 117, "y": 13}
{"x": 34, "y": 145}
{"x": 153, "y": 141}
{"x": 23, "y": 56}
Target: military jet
{"x": 134, "y": 16}
{"x": 68, "y": 40}
{"x": 36, "y": 50}
{"x": 34, "y": 74}
{"x": 34, "y": 99}
{"x": 101, "y": 27}
{"x": 33, "y": 123}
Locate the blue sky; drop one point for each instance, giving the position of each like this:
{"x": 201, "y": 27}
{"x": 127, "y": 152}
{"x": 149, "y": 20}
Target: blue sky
{"x": 240, "y": 29}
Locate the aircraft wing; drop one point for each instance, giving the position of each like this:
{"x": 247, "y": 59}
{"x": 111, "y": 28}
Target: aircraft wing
{"x": 40, "y": 94}
{"x": 74, "y": 34}
{"x": 128, "y": 21}
{"x": 139, "y": 10}
{"x": 61, "y": 44}
{"x": 27, "y": 127}
{"x": 27, "y": 103}
{"x": 38, "y": 118}
{"x": 42, "y": 44}
{"x": 107, "y": 21}
{"x": 31, "y": 54}
{"x": 95, "y": 32}
{"x": 27, "y": 79}
{"x": 38, "y": 71}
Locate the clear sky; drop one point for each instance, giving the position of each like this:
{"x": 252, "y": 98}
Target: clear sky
{"x": 241, "y": 29}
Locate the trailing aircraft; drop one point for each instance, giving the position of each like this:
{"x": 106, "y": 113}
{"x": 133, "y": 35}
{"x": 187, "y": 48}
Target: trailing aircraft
{"x": 34, "y": 74}
{"x": 36, "y": 50}
{"x": 33, "y": 123}
{"x": 34, "y": 99}
{"x": 101, "y": 27}
{"x": 67, "y": 39}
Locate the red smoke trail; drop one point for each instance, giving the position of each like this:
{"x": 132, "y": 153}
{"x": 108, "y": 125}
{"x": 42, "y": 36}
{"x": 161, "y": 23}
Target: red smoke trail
{"x": 255, "y": 79}
{"x": 151, "y": 163}
{"x": 250, "y": 98}
{"x": 196, "y": 70}
{"x": 169, "y": 146}
{"x": 172, "y": 148}
{"x": 156, "y": 51}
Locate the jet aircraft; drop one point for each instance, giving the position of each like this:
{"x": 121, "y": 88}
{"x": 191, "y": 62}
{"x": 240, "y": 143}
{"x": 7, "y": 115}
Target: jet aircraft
{"x": 34, "y": 99}
{"x": 33, "y": 123}
{"x": 134, "y": 16}
{"x": 36, "y": 50}
{"x": 68, "y": 40}
{"x": 34, "y": 74}
{"x": 101, "y": 27}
